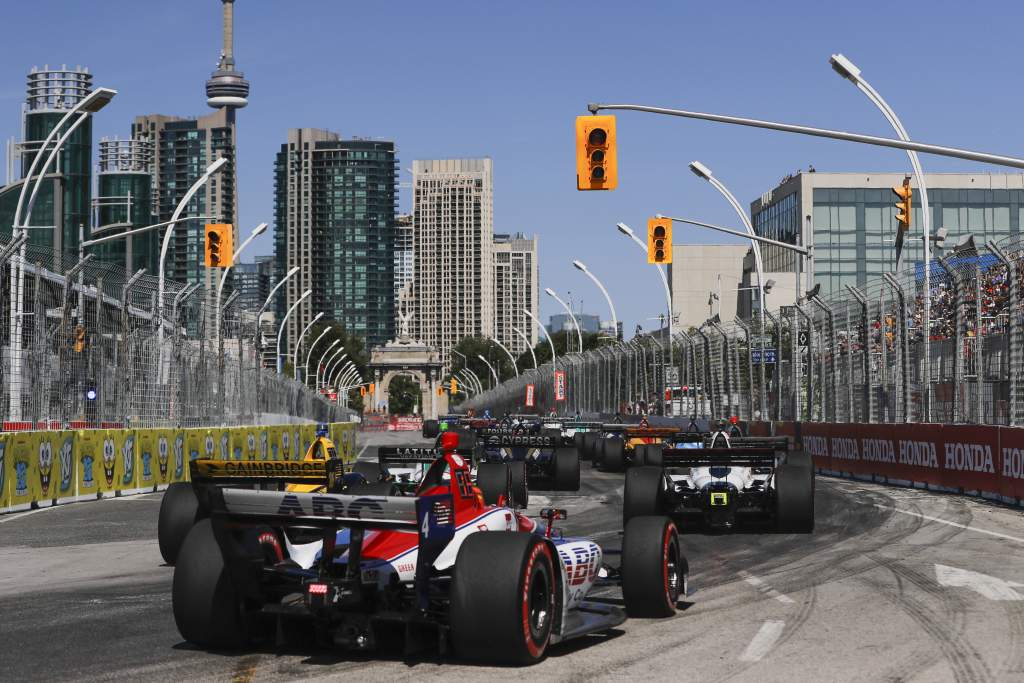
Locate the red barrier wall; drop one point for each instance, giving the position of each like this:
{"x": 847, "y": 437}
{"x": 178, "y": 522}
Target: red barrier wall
{"x": 978, "y": 459}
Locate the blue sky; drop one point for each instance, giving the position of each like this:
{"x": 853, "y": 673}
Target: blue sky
{"x": 505, "y": 80}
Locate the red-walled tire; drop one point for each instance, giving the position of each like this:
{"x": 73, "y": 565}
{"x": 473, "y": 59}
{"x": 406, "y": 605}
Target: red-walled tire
{"x": 654, "y": 572}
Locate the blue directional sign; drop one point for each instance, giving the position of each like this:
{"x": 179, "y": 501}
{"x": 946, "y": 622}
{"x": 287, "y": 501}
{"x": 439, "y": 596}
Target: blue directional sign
{"x": 769, "y": 355}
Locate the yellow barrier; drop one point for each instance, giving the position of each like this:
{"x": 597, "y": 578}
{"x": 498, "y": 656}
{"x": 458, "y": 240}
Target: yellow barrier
{"x": 44, "y": 468}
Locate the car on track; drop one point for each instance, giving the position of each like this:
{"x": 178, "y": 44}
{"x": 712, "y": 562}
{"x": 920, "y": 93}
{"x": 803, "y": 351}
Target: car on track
{"x": 537, "y": 459}
{"x": 717, "y": 481}
{"x": 440, "y": 569}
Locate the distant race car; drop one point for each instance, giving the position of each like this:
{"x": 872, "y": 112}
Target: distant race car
{"x": 355, "y": 570}
{"x": 537, "y": 459}
{"x": 718, "y": 480}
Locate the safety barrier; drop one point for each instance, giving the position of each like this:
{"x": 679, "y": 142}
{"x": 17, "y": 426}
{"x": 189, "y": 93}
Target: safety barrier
{"x": 979, "y": 460}
{"x": 42, "y": 468}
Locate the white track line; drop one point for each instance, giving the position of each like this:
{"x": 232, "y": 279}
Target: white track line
{"x": 361, "y": 451}
{"x": 764, "y": 588}
{"x": 763, "y": 641}
{"x": 949, "y": 523}
{"x": 18, "y": 515}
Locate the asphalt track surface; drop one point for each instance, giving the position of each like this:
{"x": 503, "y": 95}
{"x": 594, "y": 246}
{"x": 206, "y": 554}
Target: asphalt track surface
{"x": 895, "y": 584}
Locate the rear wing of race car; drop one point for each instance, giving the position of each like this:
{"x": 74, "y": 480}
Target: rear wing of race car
{"x": 776, "y": 442}
{"x": 409, "y": 456}
{"x": 228, "y": 472}
{"x": 714, "y": 457}
{"x": 503, "y": 439}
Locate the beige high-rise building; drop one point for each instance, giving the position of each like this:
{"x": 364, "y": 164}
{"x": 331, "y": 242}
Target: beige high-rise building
{"x": 515, "y": 288}
{"x": 453, "y": 286}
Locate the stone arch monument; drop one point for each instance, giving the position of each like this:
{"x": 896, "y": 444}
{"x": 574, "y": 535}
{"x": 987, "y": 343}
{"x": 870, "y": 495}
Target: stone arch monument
{"x": 404, "y": 356}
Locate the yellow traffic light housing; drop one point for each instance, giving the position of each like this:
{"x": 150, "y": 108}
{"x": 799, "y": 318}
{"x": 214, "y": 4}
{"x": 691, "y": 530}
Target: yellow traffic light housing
{"x": 362, "y": 391}
{"x": 597, "y": 163}
{"x": 372, "y": 387}
{"x": 905, "y": 195}
{"x": 659, "y": 240}
{"x": 219, "y": 245}
{"x": 79, "y": 343}
{"x": 453, "y": 387}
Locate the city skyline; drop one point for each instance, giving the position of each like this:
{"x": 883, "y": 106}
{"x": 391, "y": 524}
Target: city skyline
{"x": 530, "y": 145}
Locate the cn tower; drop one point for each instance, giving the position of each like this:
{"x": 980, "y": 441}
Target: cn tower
{"x": 227, "y": 87}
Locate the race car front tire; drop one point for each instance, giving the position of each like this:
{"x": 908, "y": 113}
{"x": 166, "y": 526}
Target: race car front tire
{"x": 801, "y": 458}
{"x": 654, "y": 571}
{"x": 643, "y": 493}
{"x": 577, "y": 441}
{"x": 566, "y": 469}
{"x": 207, "y": 608}
{"x": 598, "y": 459}
{"x": 494, "y": 479}
{"x": 503, "y": 598}
{"x": 654, "y": 455}
{"x": 794, "y": 499}
{"x": 640, "y": 454}
{"x": 179, "y": 511}
{"x": 588, "y": 451}
{"x": 520, "y": 486}
{"x": 614, "y": 459}
{"x": 430, "y": 429}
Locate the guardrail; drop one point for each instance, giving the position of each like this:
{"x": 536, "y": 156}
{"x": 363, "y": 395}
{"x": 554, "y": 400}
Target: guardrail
{"x": 42, "y": 468}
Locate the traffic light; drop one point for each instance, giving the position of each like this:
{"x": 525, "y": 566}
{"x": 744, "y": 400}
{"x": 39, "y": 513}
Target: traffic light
{"x": 597, "y": 164}
{"x": 362, "y": 391}
{"x": 659, "y": 240}
{"x": 440, "y": 391}
{"x": 372, "y": 387}
{"x": 903, "y": 205}
{"x": 219, "y": 247}
{"x": 79, "y": 343}
{"x": 453, "y": 387}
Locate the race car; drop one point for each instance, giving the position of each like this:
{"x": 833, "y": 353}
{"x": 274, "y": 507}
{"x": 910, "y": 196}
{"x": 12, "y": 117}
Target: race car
{"x": 536, "y": 459}
{"x": 719, "y": 481}
{"x": 356, "y": 570}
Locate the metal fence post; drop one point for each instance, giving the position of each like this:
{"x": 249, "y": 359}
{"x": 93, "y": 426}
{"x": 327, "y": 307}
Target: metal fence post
{"x": 1015, "y": 341}
{"x": 958, "y": 357}
{"x": 709, "y": 372}
{"x": 867, "y": 410}
{"x": 902, "y": 346}
{"x": 810, "y": 358}
{"x": 833, "y": 352}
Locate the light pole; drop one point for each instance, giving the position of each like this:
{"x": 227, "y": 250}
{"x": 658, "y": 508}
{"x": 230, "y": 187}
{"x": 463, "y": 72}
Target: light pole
{"x": 322, "y": 366}
{"x": 526, "y": 341}
{"x": 579, "y": 333}
{"x": 848, "y": 70}
{"x": 583, "y": 268}
{"x": 203, "y": 179}
{"x": 471, "y": 377}
{"x": 90, "y": 104}
{"x": 491, "y": 368}
{"x": 256, "y": 232}
{"x": 298, "y": 343}
{"x": 703, "y": 172}
{"x": 509, "y": 354}
{"x": 256, "y": 340}
{"x": 554, "y": 361}
{"x": 628, "y": 232}
{"x": 284, "y": 322}
{"x": 309, "y": 352}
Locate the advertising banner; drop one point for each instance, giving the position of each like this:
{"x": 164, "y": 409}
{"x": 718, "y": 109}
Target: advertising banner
{"x": 89, "y": 457}
{"x": 146, "y": 449}
{"x": 559, "y": 385}
{"x": 22, "y": 451}
{"x": 65, "y": 467}
{"x": 5, "y": 474}
{"x": 529, "y": 396}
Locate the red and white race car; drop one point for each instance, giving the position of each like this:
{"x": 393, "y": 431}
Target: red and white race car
{"x": 440, "y": 568}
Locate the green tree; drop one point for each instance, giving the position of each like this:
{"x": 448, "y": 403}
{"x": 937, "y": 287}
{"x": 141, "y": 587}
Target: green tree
{"x": 352, "y": 345}
{"x": 591, "y": 340}
{"x": 403, "y": 394}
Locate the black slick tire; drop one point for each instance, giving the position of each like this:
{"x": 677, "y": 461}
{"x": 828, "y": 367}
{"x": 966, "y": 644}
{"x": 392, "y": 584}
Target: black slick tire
{"x": 430, "y": 429}
{"x": 520, "y": 487}
{"x": 179, "y": 511}
{"x": 370, "y": 470}
{"x": 513, "y": 575}
{"x": 467, "y": 439}
{"x": 799, "y": 458}
{"x": 577, "y": 441}
{"x": 614, "y": 459}
{"x": 794, "y": 499}
{"x": 566, "y": 469}
{"x": 653, "y": 569}
{"x": 207, "y": 607}
{"x": 643, "y": 493}
{"x": 494, "y": 479}
{"x": 654, "y": 455}
{"x": 589, "y": 449}
{"x": 376, "y": 488}
{"x": 598, "y": 459}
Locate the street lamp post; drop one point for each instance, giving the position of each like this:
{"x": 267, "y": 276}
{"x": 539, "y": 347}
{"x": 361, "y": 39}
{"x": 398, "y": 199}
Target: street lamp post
{"x": 256, "y": 232}
{"x": 509, "y": 354}
{"x": 579, "y": 333}
{"x": 322, "y": 366}
{"x": 554, "y": 360}
{"x": 309, "y": 352}
{"x": 848, "y": 70}
{"x": 703, "y": 172}
{"x": 298, "y": 343}
{"x": 284, "y": 322}
{"x": 490, "y": 367}
{"x": 526, "y": 341}
{"x": 628, "y": 232}
{"x": 611, "y": 306}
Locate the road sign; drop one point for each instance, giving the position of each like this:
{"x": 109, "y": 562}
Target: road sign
{"x": 559, "y": 386}
{"x": 802, "y": 338}
{"x": 529, "y": 395}
{"x": 769, "y": 356}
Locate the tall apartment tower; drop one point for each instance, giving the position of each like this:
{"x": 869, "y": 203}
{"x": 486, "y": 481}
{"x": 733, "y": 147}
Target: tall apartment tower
{"x": 65, "y": 201}
{"x": 453, "y": 285}
{"x": 123, "y": 199}
{"x": 334, "y": 213}
{"x": 515, "y": 288}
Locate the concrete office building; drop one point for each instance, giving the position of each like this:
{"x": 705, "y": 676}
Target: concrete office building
{"x": 252, "y": 282}
{"x": 334, "y": 213}
{"x": 851, "y": 219}
{"x": 699, "y": 272}
{"x": 453, "y": 285}
{"x": 64, "y": 199}
{"x": 515, "y": 288}
{"x": 590, "y": 324}
{"x": 404, "y": 260}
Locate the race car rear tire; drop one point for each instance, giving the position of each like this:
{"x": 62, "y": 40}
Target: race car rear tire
{"x": 520, "y": 487}
{"x": 503, "y": 598}
{"x": 794, "y": 499}
{"x": 431, "y": 428}
{"x": 566, "y": 469}
{"x": 467, "y": 439}
{"x": 589, "y": 449}
{"x": 640, "y": 454}
{"x": 179, "y": 511}
{"x": 207, "y": 607}
{"x": 370, "y": 470}
{"x": 654, "y": 455}
{"x": 653, "y": 571}
{"x": 598, "y": 453}
{"x": 614, "y": 459}
{"x": 800, "y": 458}
{"x": 377, "y": 488}
{"x": 577, "y": 441}
{"x": 643, "y": 493}
{"x": 494, "y": 479}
